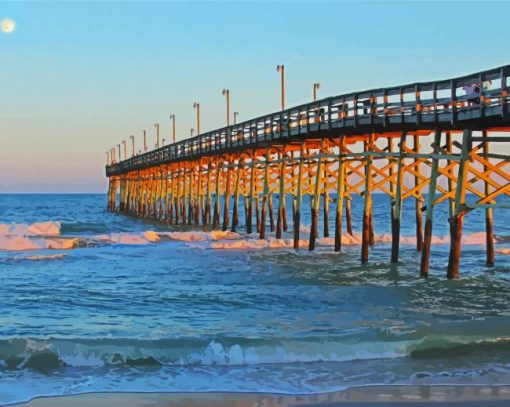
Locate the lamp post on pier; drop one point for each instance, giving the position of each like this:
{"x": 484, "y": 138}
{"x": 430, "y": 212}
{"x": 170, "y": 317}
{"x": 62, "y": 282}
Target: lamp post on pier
{"x": 172, "y": 117}
{"x": 196, "y": 105}
{"x": 235, "y": 117}
{"x": 120, "y": 157}
{"x": 125, "y": 149}
{"x": 316, "y": 87}
{"x": 144, "y": 141}
{"x": 281, "y": 69}
{"x": 112, "y": 154}
{"x": 156, "y": 125}
{"x": 133, "y": 144}
{"x": 226, "y": 93}
{"x": 107, "y": 158}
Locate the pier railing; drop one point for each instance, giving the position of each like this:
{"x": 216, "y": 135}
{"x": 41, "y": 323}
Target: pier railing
{"x": 443, "y": 104}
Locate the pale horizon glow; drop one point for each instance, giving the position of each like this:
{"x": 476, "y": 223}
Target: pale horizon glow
{"x": 78, "y": 78}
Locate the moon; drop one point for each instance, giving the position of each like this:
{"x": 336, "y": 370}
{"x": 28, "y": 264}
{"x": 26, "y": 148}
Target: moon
{"x": 8, "y": 26}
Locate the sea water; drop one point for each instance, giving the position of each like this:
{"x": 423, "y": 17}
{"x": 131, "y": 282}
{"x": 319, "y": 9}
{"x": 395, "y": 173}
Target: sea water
{"x": 96, "y": 301}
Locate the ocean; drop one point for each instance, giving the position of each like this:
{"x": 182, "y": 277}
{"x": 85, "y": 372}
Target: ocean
{"x": 93, "y": 301}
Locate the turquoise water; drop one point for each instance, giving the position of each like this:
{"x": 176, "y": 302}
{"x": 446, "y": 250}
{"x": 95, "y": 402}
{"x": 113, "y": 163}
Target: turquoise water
{"x": 171, "y": 315}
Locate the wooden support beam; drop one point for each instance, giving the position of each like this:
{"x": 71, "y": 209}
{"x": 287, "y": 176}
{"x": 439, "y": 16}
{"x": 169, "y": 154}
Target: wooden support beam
{"x": 249, "y": 208}
{"x": 457, "y": 219}
{"x": 216, "y": 211}
{"x": 489, "y": 232}
{"x": 429, "y": 216}
{"x": 348, "y": 212}
{"x": 235, "y": 213}
{"x": 281, "y": 197}
{"x": 397, "y": 202}
{"x": 340, "y": 196}
{"x": 206, "y": 214}
{"x": 266, "y": 192}
{"x": 299, "y": 196}
{"x": 325, "y": 195}
{"x": 226, "y": 198}
{"x": 315, "y": 201}
{"x": 417, "y": 207}
{"x": 198, "y": 192}
{"x": 367, "y": 211}
{"x": 449, "y": 148}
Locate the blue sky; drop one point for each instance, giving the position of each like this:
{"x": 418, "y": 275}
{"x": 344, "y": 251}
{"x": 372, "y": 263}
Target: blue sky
{"x": 76, "y": 78}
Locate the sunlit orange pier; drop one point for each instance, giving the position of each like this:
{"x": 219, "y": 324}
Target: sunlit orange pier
{"x": 431, "y": 142}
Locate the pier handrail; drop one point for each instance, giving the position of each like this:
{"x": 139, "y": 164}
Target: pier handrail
{"x": 436, "y": 104}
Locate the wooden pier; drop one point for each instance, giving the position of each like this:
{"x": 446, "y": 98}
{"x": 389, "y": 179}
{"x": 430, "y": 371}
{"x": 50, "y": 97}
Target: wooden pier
{"x": 429, "y": 142}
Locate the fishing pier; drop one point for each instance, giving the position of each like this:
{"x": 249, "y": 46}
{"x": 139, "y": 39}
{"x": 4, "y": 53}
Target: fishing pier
{"x": 430, "y": 142}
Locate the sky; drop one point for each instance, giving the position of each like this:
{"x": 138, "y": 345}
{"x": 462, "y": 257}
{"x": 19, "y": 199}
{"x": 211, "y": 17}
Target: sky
{"x": 76, "y": 78}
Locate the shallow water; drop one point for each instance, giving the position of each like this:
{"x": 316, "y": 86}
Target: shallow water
{"x": 111, "y": 307}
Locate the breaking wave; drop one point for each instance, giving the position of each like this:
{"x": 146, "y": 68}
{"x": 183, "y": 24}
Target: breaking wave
{"x": 47, "y": 355}
{"x": 30, "y": 229}
{"x": 46, "y": 235}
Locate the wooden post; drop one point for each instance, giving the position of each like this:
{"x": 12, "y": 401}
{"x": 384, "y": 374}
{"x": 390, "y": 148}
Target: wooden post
{"x": 235, "y": 214}
{"x": 249, "y": 208}
{"x": 367, "y": 212}
{"x": 297, "y": 213}
{"x": 207, "y": 210}
{"x": 184, "y": 203}
{"x": 397, "y": 202}
{"x": 171, "y": 197}
{"x": 348, "y": 211}
{"x": 165, "y": 180}
{"x": 191, "y": 197}
{"x": 284, "y": 214}
{"x": 429, "y": 216}
{"x": 449, "y": 147}
{"x": 270, "y": 210}
{"x": 159, "y": 195}
{"x": 216, "y": 212}
{"x": 109, "y": 195}
{"x": 226, "y": 202}
{"x": 281, "y": 203}
{"x": 257, "y": 212}
{"x": 315, "y": 201}
{"x": 262, "y": 230}
{"x": 460, "y": 200}
{"x": 418, "y": 214}
{"x": 177, "y": 198}
{"x": 340, "y": 195}
{"x": 489, "y": 233}
{"x": 326, "y": 202}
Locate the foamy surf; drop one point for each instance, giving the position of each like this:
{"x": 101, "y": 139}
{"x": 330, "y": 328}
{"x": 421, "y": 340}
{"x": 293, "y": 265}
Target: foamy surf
{"x": 50, "y": 228}
{"x": 23, "y": 243}
{"x": 252, "y": 241}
